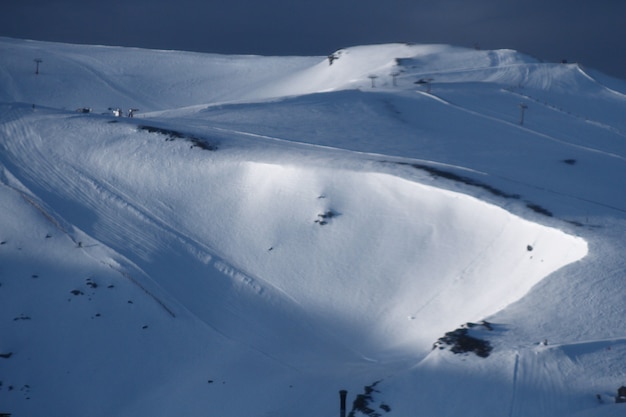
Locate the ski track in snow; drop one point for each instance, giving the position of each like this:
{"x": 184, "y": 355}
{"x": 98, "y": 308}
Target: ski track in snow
{"x": 333, "y": 151}
{"x": 534, "y": 132}
{"x": 68, "y": 231}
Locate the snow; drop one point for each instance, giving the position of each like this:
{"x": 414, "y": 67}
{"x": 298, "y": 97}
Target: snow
{"x": 275, "y": 229}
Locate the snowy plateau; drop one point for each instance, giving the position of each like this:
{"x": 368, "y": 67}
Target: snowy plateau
{"x": 437, "y": 230}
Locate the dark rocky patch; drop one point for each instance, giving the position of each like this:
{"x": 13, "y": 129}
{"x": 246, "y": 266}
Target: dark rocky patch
{"x": 440, "y": 173}
{"x": 173, "y": 135}
{"x": 323, "y": 218}
{"x": 460, "y": 341}
{"x": 538, "y": 209}
{"x": 364, "y": 403}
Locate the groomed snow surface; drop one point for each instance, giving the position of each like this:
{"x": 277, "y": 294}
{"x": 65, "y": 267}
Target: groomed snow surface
{"x": 269, "y": 230}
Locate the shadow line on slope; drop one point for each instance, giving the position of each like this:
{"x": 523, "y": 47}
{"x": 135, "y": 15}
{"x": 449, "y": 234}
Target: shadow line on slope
{"x": 439, "y": 173}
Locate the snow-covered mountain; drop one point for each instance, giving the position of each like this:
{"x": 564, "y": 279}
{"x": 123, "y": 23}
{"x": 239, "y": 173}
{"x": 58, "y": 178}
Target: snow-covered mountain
{"x": 266, "y": 231}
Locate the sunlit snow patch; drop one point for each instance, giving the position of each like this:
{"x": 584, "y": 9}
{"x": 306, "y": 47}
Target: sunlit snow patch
{"x": 392, "y": 249}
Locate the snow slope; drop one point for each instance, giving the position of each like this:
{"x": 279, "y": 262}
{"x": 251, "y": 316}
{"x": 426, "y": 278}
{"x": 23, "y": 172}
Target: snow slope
{"x": 275, "y": 229}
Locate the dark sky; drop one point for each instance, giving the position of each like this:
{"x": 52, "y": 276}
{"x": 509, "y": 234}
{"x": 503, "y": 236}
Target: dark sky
{"x": 591, "y": 32}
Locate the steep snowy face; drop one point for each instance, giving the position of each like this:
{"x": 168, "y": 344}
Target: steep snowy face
{"x": 386, "y": 263}
{"x": 383, "y": 264}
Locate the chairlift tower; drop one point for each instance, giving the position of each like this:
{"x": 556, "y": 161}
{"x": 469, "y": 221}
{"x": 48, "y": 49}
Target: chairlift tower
{"x": 394, "y": 75}
{"x": 342, "y": 402}
{"x": 37, "y": 62}
{"x": 523, "y": 108}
